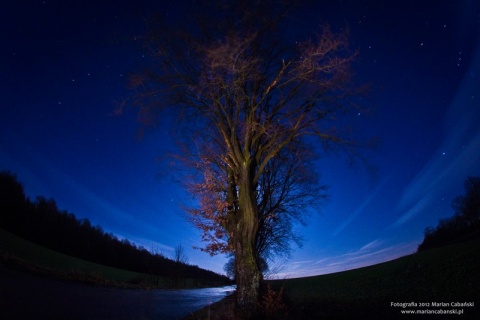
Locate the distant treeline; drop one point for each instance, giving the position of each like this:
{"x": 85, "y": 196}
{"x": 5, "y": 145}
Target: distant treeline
{"x": 40, "y": 221}
{"x": 464, "y": 225}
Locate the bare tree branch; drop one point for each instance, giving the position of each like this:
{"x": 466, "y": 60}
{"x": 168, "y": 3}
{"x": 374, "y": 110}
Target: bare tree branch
{"x": 256, "y": 99}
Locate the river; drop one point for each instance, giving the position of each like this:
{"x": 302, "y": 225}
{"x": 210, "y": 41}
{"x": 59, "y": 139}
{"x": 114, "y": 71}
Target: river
{"x": 25, "y": 296}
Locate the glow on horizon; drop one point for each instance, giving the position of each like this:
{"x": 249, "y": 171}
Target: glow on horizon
{"x": 369, "y": 254}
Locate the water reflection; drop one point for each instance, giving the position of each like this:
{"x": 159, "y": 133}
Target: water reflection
{"x": 25, "y": 296}
{"x": 176, "y": 304}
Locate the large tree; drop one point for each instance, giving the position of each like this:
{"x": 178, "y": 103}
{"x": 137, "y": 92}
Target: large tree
{"x": 250, "y": 95}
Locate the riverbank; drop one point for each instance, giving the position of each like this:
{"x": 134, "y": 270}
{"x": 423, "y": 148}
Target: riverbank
{"x": 24, "y": 255}
{"x": 221, "y": 310}
{"x": 28, "y": 296}
{"x": 74, "y": 275}
{"x": 444, "y": 275}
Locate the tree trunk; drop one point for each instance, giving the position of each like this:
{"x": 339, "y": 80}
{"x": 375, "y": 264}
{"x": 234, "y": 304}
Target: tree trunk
{"x": 247, "y": 271}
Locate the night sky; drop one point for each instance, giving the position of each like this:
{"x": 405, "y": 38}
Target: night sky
{"x": 64, "y": 68}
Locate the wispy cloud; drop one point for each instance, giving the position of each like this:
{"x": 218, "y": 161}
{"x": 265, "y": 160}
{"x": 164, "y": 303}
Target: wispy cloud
{"x": 369, "y": 254}
{"x": 371, "y": 245}
{"x": 100, "y": 207}
{"x": 303, "y": 262}
{"x": 153, "y": 246}
{"x": 321, "y": 260}
{"x": 362, "y": 207}
{"x": 457, "y": 157}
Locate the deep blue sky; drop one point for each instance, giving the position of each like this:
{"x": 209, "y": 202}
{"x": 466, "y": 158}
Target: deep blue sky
{"x": 63, "y": 70}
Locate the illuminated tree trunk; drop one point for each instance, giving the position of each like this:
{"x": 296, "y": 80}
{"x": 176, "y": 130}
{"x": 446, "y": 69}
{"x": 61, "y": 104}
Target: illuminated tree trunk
{"x": 247, "y": 271}
{"x": 256, "y": 97}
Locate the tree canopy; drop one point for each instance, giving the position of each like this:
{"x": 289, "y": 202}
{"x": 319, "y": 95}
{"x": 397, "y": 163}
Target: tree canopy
{"x": 464, "y": 225}
{"x": 250, "y": 96}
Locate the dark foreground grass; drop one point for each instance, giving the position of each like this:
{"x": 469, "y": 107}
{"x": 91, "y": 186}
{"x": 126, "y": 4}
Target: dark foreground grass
{"x": 27, "y": 256}
{"x": 450, "y": 274}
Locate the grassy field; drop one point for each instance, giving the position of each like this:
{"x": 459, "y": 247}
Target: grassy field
{"x": 32, "y": 257}
{"x": 22, "y": 254}
{"x": 448, "y": 274}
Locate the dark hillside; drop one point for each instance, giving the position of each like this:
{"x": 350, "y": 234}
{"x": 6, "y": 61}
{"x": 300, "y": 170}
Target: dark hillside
{"x": 42, "y": 222}
{"x": 448, "y": 274}
{"x": 418, "y": 283}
